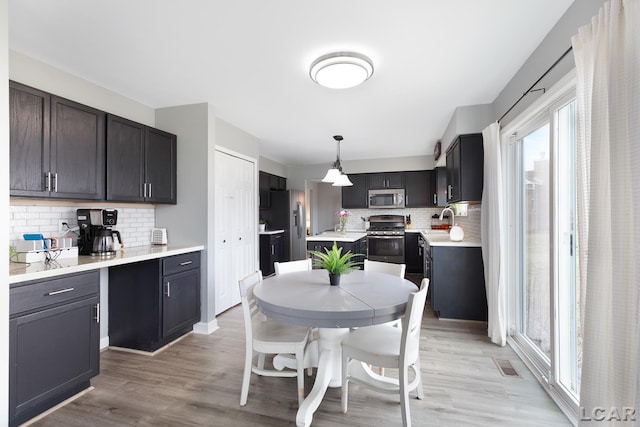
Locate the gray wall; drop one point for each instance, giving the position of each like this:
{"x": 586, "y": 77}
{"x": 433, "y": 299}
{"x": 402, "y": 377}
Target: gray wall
{"x": 555, "y": 43}
{"x": 272, "y": 167}
{"x": 4, "y": 212}
{"x": 190, "y": 221}
{"x": 236, "y": 139}
{"x": 42, "y": 76}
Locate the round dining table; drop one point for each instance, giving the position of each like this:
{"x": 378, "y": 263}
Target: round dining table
{"x": 305, "y": 298}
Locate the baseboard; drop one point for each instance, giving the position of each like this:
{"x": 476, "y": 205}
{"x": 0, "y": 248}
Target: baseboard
{"x": 205, "y": 328}
{"x": 104, "y": 343}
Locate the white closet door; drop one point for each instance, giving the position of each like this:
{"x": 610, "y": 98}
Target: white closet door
{"x": 235, "y": 227}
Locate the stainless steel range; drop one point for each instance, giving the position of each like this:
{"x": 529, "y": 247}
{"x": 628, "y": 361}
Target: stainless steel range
{"x": 385, "y": 238}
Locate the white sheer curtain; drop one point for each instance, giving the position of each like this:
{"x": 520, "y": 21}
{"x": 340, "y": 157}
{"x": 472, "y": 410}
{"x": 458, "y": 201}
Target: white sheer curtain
{"x": 607, "y": 54}
{"x": 493, "y": 236}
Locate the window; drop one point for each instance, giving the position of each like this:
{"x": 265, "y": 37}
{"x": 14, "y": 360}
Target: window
{"x": 542, "y": 212}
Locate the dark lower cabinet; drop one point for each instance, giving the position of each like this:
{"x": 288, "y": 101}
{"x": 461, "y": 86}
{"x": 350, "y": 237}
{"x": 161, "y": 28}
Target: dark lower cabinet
{"x": 457, "y": 283}
{"x": 53, "y": 342}
{"x": 272, "y": 250}
{"x": 413, "y": 253}
{"x": 151, "y": 303}
{"x": 357, "y": 247}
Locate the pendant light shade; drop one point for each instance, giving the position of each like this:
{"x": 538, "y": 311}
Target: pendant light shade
{"x": 342, "y": 181}
{"x": 334, "y": 174}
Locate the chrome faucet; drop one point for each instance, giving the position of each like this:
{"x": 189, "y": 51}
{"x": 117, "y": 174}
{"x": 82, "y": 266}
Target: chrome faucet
{"x": 453, "y": 216}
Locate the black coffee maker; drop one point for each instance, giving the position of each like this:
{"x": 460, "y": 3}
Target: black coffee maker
{"x": 96, "y": 235}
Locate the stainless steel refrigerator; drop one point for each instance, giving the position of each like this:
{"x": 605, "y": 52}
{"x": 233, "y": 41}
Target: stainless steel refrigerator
{"x": 287, "y": 212}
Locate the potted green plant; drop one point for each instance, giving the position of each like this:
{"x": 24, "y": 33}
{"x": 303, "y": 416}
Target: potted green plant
{"x": 262, "y": 225}
{"x": 335, "y": 262}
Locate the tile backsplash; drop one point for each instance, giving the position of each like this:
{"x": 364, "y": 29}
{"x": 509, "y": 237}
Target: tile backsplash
{"x": 421, "y": 218}
{"x": 134, "y": 223}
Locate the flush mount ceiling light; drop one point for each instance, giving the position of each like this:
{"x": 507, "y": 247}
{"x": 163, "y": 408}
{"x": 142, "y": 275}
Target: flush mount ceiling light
{"x": 341, "y": 70}
{"x": 335, "y": 174}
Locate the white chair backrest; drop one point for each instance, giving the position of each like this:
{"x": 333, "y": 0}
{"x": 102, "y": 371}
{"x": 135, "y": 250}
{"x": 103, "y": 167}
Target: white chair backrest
{"x": 412, "y": 321}
{"x": 249, "y": 306}
{"x": 385, "y": 267}
{"x": 291, "y": 266}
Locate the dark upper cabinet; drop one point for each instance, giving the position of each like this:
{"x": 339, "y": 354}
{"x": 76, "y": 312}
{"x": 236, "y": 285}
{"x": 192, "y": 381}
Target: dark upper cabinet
{"x": 465, "y": 160}
{"x": 440, "y": 174}
{"x": 160, "y": 166}
{"x": 57, "y": 146}
{"x": 77, "y": 153}
{"x": 141, "y": 163}
{"x": 386, "y": 180}
{"x": 419, "y": 189}
{"x": 356, "y": 196}
{"x": 29, "y": 138}
{"x": 263, "y": 190}
{"x": 269, "y": 182}
{"x": 125, "y": 159}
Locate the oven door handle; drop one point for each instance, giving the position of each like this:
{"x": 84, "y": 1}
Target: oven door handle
{"x": 385, "y": 237}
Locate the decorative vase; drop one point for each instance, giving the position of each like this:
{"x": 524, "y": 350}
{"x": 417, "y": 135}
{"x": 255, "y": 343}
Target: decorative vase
{"x": 334, "y": 279}
{"x": 262, "y": 227}
{"x": 343, "y": 226}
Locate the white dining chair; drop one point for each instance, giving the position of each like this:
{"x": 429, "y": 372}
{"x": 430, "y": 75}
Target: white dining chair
{"x": 267, "y": 336}
{"x": 385, "y": 267}
{"x": 388, "y": 347}
{"x": 291, "y": 266}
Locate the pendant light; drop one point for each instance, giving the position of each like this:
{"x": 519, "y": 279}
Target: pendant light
{"x": 335, "y": 174}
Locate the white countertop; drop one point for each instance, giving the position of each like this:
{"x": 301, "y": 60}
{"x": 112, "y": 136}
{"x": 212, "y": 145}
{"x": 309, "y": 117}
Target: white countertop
{"x": 40, "y": 270}
{"x": 330, "y": 236}
{"x": 271, "y": 232}
{"x": 441, "y": 238}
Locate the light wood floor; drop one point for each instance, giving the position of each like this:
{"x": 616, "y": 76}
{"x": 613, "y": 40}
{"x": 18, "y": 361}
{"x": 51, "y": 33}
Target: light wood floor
{"x": 196, "y": 382}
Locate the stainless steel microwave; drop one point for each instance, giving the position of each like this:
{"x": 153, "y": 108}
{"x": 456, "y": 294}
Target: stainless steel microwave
{"x": 387, "y": 198}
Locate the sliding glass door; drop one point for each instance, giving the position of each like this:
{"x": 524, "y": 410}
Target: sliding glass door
{"x": 547, "y": 300}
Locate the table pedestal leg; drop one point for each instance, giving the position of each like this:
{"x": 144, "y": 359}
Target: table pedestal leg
{"x": 328, "y": 375}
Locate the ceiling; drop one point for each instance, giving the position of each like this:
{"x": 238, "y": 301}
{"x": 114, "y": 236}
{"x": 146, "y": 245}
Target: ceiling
{"x": 250, "y": 59}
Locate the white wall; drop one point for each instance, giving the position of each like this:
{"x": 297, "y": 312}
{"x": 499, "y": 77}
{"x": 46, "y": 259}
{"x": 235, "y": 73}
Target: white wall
{"x": 329, "y": 202}
{"x": 4, "y": 212}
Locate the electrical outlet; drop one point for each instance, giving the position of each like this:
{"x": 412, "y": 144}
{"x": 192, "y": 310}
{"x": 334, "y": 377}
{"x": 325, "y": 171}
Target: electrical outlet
{"x": 62, "y": 225}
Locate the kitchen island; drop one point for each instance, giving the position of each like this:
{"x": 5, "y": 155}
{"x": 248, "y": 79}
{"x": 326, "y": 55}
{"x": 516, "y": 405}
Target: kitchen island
{"x": 354, "y": 241}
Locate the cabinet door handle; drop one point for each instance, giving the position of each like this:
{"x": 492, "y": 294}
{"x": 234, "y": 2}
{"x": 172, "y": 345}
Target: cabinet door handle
{"x": 61, "y": 291}
{"x": 144, "y": 190}
{"x": 186, "y": 263}
{"x": 150, "y": 190}
{"x": 48, "y": 181}
{"x": 450, "y": 191}
{"x": 97, "y": 316}
{"x": 435, "y": 199}
{"x": 273, "y": 249}
{"x": 168, "y": 287}
{"x": 55, "y": 182}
